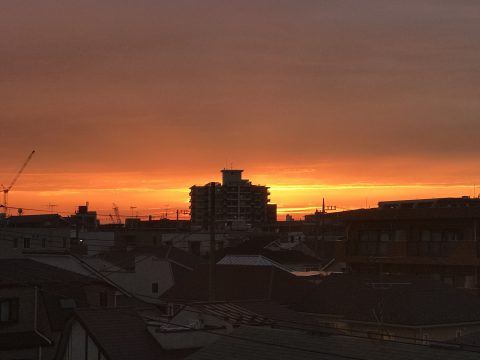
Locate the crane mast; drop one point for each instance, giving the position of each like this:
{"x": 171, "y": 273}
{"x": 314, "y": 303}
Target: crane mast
{"x": 6, "y": 190}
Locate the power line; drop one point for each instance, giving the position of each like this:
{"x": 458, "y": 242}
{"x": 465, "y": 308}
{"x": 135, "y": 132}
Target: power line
{"x": 69, "y": 285}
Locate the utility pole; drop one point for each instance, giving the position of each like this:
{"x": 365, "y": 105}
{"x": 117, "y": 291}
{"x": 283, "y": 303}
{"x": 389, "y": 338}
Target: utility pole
{"x": 322, "y": 226}
{"x": 211, "y": 273}
{"x": 176, "y": 223}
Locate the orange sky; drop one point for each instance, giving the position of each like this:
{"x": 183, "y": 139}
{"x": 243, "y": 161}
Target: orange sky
{"x": 134, "y": 101}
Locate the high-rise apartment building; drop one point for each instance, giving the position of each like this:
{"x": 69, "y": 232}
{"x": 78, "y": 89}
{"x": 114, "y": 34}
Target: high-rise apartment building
{"x": 238, "y": 203}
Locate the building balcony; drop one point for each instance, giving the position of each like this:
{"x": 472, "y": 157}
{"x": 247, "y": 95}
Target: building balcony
{"x": 459, "y": 253}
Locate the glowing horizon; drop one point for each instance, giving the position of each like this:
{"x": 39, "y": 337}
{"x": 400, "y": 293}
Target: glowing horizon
{"x": 355, "y": 102}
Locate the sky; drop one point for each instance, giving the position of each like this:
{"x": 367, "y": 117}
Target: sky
{"x": 133, "y": 102}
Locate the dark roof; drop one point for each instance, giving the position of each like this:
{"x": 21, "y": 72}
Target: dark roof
{"x": 171, "y": 253}
{"x": 122, "y": 334}
{"x": 38, "y": 221}
{"x": 241, "y": 283}
{"x": 256, "y": 246}
{"x": 248, "y": 343}
{"x": 31, "y": 272}
{"x": 120, "y": 258}
{"x": 285, "y": 257}
{"x": 21, "y": 340}
{"x": 126, "y": 258}
{"x": 406, "y": 300}
{"x": 378, "y": 214}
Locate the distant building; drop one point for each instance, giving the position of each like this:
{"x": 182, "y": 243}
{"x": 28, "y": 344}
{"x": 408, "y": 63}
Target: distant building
{"x": 84, "y": 219}
{"x": 434, "y": 237}
{"x": 33, "y": 234}
{"x": 239, "y": 205}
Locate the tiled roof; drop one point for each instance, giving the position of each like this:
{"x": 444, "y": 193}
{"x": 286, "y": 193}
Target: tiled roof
{"x": 406, "y": 300}
{"x": 248, "y": 343}
{"x": 281, "y": 315}
{"x": 231, "y": 313}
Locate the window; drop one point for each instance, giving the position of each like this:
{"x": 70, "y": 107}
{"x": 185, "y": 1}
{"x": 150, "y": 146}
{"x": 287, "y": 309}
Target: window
{"x": 103, "y": 299}
{"x": 15, "y": 243}
{"x": 401, "y": 235}
{"x": 64, "y": 242}
{"x": 458, "y": 333}
{"x": 425, "y": 235}
{"x": 154, "y": 288}
{"x": 194, "y": 247}
{"x": 68, "y": 304}
{"x": 385, "y": 236}
{"x": 425, "y": 339}
{"x": 8, "y": 310}
{"x": 26, "y": 243}
{"x": 44, "y": 243}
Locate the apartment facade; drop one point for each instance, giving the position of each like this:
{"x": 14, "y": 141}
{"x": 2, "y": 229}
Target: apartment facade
{"x": 434, "y": 237}
{"x": 238, "y": 203}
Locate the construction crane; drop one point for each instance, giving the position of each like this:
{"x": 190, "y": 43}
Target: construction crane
{"x": 117, "y": 213}
{"x": 6, "y": 190}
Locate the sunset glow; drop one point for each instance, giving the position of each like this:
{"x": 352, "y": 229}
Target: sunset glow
{"x": 315, "y": 101}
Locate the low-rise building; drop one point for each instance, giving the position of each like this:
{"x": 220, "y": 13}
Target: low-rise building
{"x": 36, "y": 301}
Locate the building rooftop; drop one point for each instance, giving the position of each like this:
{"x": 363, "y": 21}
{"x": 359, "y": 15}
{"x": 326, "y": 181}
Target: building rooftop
{"x": 37, "y": 221}
{"x": 248, "y": 343}
{"x": 31, "y": 272}
{"x": 240, "y": 283}
{"x": 391, "y": 299}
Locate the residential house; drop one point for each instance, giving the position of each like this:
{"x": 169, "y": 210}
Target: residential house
{"x": 36, "y": 301}
{"x": 111, "y": 334}
{"x": 34, "y": 233}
